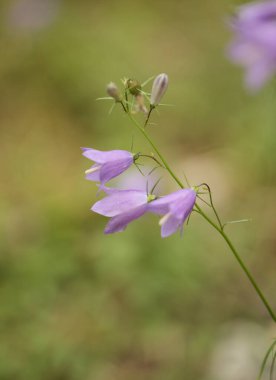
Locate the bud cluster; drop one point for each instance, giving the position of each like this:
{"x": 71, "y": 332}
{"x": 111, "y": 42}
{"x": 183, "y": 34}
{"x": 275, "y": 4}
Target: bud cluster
{"x": 134, "y": 88}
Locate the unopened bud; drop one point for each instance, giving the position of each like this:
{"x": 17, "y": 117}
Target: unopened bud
{"x": 159, "y": 88}
{"x": 113, "y": 91}
{"x": 134, "y": 87}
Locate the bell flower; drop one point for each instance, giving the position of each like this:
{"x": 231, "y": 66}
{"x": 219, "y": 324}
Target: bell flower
{"x": 108, "y": 164}
{"x": 175, "y": 208}
{"x": 122, "y": 206}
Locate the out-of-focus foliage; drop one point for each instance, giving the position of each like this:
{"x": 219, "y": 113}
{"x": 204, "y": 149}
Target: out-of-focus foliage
{"x": 76, "y": 304}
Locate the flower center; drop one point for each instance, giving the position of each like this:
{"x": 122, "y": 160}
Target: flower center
{"x": 151, "y": 197}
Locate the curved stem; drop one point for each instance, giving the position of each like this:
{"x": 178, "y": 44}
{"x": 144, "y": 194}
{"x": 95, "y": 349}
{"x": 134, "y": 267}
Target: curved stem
{"x": 265, "y": 359}
{"x": 213, "y": 206}
{"x": 153, "y": 158}
{"x": 219, "y": 227}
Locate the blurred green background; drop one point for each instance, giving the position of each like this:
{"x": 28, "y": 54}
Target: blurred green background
{"x": 75, "y": 304}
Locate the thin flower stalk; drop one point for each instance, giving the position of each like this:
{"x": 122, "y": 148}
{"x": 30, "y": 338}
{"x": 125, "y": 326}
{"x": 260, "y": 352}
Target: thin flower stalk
{"x": 217, "y": 227}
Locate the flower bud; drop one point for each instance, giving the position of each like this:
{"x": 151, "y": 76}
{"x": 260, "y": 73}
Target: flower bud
{"x": 159, "y": 88}
{"x": 134, "y": 87}
{"x": 113, "y": 91}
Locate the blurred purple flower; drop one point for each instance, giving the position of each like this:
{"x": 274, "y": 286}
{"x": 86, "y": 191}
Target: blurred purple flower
{"x": 32, "y": 14}
{"x": 123, "y": 206}
{"x": 176, "y": 208}
{"x": 254, "y": 45}
{"x": 108, "y": 164}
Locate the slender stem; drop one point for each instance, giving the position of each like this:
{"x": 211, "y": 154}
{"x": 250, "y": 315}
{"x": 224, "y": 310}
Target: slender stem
{"x": 124, "y": 108}
{"x": 271, "y": 348}
{"x": 148, "y": 117}
{"x": 240, "y": 261}
{"x": 272, "y": 366}
{"x": 142, "y": 130}
{"x": 219, "y": 227}
{"x": 126, "y": 97}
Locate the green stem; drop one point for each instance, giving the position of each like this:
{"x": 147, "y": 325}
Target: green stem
{"x": 124, "y": 108}
{"x": 142, "y": 130}
{"x": 126, "y": 98}
{"x": 219, "y": 228}
{"x": 265, "y": 359}
{"x": 240, "y": 261}
{"x": 148, "y": 117}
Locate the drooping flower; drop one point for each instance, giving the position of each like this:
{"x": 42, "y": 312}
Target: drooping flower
{"x": 159, "y": 87}
{"x": 175, "y": 208}
{"x": 254, "y": 45}
{"x": 122, "y": 206}
{"x": 108, "y": 164}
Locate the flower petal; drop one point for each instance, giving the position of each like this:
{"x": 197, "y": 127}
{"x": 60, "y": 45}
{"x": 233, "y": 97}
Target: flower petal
{"x": 119, "y": 202}
{"x": 176, "y": 207}
{"x": 112, "y": 169}
{"x": 244, "y": 52}
{"x": 257, "y": 12}
{"x": 161, "y": 205}
{"x": 120, "y": 222}
{"x": 170, "y": 226}
{"x": 94, "y": 174}
{"x": 182, "y": 207}
{"x": 258, "y": 74}
{"x": 104, "y": 156}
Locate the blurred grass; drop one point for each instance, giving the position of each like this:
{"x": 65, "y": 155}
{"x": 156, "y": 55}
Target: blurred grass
{"x": 79, "y": 305}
